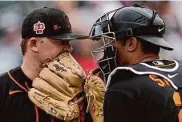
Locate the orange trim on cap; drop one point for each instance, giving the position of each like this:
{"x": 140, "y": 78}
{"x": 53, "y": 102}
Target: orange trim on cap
{"x": 17, "y": 82}
{"x": 37, "y": 114}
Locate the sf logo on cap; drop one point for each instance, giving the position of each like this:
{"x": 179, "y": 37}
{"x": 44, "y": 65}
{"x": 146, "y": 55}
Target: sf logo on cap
{"x": 39, "y": 27}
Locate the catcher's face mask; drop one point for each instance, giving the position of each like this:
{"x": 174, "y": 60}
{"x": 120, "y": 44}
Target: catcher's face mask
{"x": 105, "y": 56}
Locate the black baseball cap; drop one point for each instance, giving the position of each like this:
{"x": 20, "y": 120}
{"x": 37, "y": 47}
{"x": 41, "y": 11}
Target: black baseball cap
{"x": 49, "y": 22}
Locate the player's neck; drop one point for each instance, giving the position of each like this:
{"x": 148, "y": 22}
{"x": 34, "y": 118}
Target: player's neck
{"x": 143, "y": 58}
{"x": 148, "y": 57}
{"x": 31, "y": 68}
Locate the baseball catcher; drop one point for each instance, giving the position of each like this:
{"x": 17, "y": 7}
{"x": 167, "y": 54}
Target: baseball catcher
{"x": 140, "y": 86}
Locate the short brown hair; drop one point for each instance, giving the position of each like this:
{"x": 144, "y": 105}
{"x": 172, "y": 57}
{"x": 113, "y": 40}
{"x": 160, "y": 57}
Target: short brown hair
{"x": 23, "y": 46}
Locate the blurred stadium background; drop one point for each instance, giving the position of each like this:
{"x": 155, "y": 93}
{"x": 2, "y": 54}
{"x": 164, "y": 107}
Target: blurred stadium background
{"x": 82, "y": 15}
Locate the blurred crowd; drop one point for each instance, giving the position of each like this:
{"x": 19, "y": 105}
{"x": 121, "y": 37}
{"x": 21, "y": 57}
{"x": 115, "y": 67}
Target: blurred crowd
{"x": 82, "y": 15}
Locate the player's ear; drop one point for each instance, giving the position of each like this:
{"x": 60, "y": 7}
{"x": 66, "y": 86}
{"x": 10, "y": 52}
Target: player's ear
{"x": 131, "y": 44}
{"x": 33, "y": 44}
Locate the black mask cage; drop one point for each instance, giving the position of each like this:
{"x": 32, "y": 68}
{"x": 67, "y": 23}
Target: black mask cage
{"x": 105, "y": 56}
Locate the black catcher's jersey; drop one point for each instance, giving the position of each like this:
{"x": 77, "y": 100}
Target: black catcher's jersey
{"x": 145, "y": 92}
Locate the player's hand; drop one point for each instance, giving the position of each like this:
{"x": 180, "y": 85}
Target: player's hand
{"x": 58, "y": 90}
{"x": 95, "y": 90}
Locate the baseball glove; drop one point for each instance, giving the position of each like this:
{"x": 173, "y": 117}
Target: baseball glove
{"x": 58, "y": 90}
{"x": 95, "y": 90}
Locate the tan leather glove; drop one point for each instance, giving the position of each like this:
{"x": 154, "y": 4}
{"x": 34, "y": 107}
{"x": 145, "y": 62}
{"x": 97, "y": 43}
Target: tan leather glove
{"x": 58, "y": 89}
{"x": 95, "y": 90}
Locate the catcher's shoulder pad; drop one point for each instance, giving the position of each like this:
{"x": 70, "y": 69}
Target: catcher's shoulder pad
{"x": 162, "y": 68}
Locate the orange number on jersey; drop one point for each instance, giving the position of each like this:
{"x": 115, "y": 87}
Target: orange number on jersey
{"x": 176, "y": 96}
{"x": 180, "y": 116}
{"x": 177, "y": 101}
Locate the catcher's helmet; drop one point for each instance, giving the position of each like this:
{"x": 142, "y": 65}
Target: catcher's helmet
{"x": 133, "y": 21}
{"x": 120, "y": 24}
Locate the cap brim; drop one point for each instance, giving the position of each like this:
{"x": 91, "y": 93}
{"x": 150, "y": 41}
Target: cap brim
{"x": 159, "y": 41}
{"x": 69, "y": 36}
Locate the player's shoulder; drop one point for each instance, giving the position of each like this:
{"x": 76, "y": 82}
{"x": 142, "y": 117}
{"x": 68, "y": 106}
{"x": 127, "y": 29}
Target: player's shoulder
{"x": 5, "y": 79}
{"x": 141, "y": 86}
{"x": 125, "y": 78}
{"x": 145, "y": 76}
{"x": 162, "y": 68}
{"x": 5, "y": 84}
{"x": 130, "y": 82}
